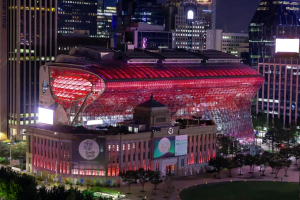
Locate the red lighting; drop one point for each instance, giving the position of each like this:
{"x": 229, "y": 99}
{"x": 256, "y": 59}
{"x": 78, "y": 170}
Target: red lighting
{"x": 220, "y": 92}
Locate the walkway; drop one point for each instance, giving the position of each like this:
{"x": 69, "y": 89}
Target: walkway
{"x": 184, "y": 182}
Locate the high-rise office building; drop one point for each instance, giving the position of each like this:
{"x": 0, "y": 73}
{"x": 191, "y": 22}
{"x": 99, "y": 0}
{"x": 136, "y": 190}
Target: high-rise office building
{"x": 77, "y": 15}
{"x": 106, "y": 18}
{"x": 279, "y": 95}
{"x": 233, "y": 43}
{"x": 145, "y": 11}
{"x": 190, "y": 26}
{"x": 31, "y": 43}
{"x": 3, "y": 70}
{"x": 272, "y": 19}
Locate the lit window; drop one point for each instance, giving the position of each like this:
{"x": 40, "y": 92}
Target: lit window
{"x": 109, "y": 147}
{"x": 129, "y": 128}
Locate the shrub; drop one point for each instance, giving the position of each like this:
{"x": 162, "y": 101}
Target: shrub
{"x": 67, "y": 182}
{"x": 97, "y": 184}
{"x": 5, "y": 162}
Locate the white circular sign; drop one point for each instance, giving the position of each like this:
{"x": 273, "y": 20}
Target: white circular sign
{"x": 164, "y": 145}
{"x": 88, "y": 149}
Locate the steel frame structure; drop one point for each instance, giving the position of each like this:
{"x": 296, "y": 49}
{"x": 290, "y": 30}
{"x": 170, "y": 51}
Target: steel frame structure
{"x": 222, "y": 92}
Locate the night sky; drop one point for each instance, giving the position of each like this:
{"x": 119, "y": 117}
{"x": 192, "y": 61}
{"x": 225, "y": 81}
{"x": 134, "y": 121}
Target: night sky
{"x": 235, "y": 14}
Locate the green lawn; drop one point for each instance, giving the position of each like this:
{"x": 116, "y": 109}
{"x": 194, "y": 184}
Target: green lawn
{"x": 250, "y": 190}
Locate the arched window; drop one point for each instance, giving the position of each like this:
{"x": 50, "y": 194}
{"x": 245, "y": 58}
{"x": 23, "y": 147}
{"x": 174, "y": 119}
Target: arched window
{"x": 190, "y": 14}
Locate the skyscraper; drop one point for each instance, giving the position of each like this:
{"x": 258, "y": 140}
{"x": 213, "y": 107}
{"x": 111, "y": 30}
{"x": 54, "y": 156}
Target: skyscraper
{"x": 32, "y": 35}
{"x": 77, "y": 15}
{"x": 272, "y": 19}
{"x": 106, "y": 18}
{"x": 190, "y": 26}
{"x": 145, "y": 11}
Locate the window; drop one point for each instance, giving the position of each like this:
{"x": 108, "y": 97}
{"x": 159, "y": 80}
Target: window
{"x": 209, "y": 136}
{"x": 200, "y": 137}
{"x": 109, "y": 147}
{"x": 204, "y": 148}
{"x": 149, "y": 155}
{"x": 139, "y": 156}
{"x": 133, "y": 157}
{"x": 123, "y": 158}
{"x": 200, "y": 148}
{"x": 113, "y": 147}
{"x": 129, "y": 129}
{"x": 196, "y": 148}
{"x": 144, "y": 155}
{"x": 213, "y": 146}
{"x": 117, "y": 147}
{"x": 144, "y": 144}
{"x": 129, "y": 147}
{"x": 128, "y": 158}
{"x": 139, "y": 145}
{"x": 197, "y": 138}
{"x": 149, "y": 144}
{"x": 123, "y": 147}
{"x": 213, "y": 136}
{"x": 192, "y": 150}
{"x": 192, "y": 138}
{"x": 182, "y": 162}
{"x": 136, "y": 130}
{"x": 160, "y": 120}
{"x": 133, "y": 145}
{"x": 208, "y": 147}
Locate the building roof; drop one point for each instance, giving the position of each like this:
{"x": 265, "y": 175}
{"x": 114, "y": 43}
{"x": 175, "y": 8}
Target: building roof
{"x": 151, "y": 103}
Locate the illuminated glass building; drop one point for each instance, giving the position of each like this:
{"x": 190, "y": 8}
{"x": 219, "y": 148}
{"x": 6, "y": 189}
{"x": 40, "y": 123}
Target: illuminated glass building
{"x": 31, "y": 43}
{"x": 272, "y": 19}
{"x": 148, "y": 11}
{"x": 112, "y": 84}
{"x": 77, "y": 15}
{"x": 106, "y": 18}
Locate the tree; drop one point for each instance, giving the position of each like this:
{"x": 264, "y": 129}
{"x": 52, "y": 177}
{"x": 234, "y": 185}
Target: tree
{"x": 259, "y": 122}
{"x": 129, "y": 177}
{"x": 263, "y": 162}
{"x": 231, "y": 165}
{"x": 240, "y": 161}
{"x": 250, "y": 160}
{"x": 279, "y": 164}
{"x": 168, "y": 187}
{"x": 296, "y": 153}
{"x": 16, "y": 186}
{"x": 289, "y": 136}
{"x": 218, "y": 163}
{"x": 285, "y": 153}
{"x": 4, "y": 150}
{"x": 224, "y": 143}
{"x": 286, "y": 165}
{"x": 275, "y": 133}
{"x": 156, "y": 179}
{"x": 144, "y": 176}
{"x": 18, "y": 150}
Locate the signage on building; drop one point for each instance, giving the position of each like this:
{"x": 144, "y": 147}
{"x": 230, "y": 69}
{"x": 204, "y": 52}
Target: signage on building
{"x": 181, "y": 145}
{"x": 171, "y": 146}
{"x": 88, "y": 152}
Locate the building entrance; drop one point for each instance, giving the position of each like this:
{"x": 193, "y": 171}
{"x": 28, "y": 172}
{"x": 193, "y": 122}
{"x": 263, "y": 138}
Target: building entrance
{"x": 170, "y": 170}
